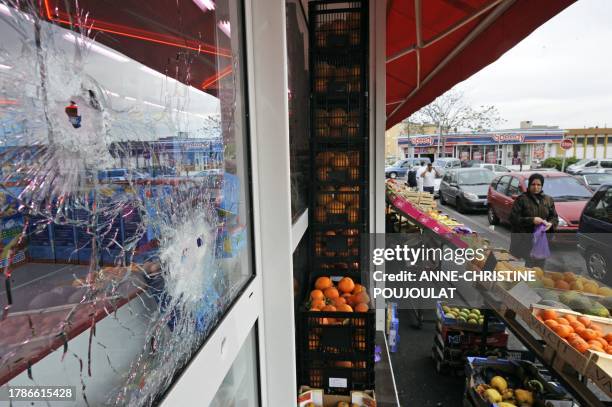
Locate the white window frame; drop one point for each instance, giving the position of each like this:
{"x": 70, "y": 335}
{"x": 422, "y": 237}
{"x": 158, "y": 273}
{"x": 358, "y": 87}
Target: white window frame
{"x": 268, "y": 299}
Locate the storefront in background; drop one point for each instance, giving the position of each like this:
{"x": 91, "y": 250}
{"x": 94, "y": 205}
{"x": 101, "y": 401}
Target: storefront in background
{"x": 511, "y": 147}
{"x": 589, "y": 143}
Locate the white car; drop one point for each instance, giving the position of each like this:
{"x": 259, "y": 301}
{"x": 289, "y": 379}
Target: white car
{"x": 497, "y": 169}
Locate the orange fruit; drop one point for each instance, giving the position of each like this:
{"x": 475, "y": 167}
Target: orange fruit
{"x": 329, "y": 308}
{"x": 551, "y": 323}
{"x": 317, "y": 295}
{"x": 345, "y": 308}
{"x": 362, "y": 307}
{"x": 562, "y": 321}
{"x": 361, "y": 297}
{"x": 569, "y": 276}
{"x": 579, "y": 330}
{"x": 314, "y": 309}
{"x": 562, "y": 330}
{"x": 344, "y": 363}
{"x": 572, "y": 337}
{"x": 331, "y": 293}
{"x": 597, "y": 328}
{"x": 346, "y": 285}
{"x": 571, "y": 318}
{"x": 576, "y": 325}
{"x": 336, "y": 302}
{"x": 596, "y": 347}
{"x": 562, "y": 285}
{"x": 549, "y": 314}
{"x": 588, "y": 334}
{"x": 608, "y": 350}
{"x": 323, "y": 283}
{"x": 580, "y": 345}
{"x": 602, "y": 341}
{"x": 318, "y": 304}
{"x": 585, "y": 321}
{"x": 608, "y": 337}
{"x": 358, "y": 288}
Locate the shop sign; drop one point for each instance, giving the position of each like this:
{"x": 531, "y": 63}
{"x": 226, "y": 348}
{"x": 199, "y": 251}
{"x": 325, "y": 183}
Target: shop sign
{"x": 567, "y": 143}
{"x": 508, "y": 138}
{"x": 421, "y": 141}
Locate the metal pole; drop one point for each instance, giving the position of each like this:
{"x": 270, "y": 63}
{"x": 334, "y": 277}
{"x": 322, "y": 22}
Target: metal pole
{"x": 439, "y": 136}
{"x": 563, "y": 164}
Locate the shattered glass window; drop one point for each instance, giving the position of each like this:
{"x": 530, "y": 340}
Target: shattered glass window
{"x": 124, "y": 190}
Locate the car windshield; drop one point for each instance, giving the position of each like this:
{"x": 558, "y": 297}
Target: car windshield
{"x": 475, "y": 177}
{"x": 598, "y": 179}
{"x": 565, "y": 188}
{"x": 398, "y": 163}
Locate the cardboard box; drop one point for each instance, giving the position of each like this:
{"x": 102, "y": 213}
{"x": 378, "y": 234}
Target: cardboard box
{"x": 316, "y": 398}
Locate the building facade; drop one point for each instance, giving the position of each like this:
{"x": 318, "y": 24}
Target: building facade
{"x": 502, "y": 147}
{"x": 589, "y": 143}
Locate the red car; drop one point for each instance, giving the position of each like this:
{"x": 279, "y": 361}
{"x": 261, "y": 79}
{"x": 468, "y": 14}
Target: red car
{"x": 569, "y": 194}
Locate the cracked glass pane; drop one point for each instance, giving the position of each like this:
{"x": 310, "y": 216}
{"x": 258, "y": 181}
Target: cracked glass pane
{"x": 124, "y": 190}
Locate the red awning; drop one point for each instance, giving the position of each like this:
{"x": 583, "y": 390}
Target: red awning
{"x": 450, "y": 41}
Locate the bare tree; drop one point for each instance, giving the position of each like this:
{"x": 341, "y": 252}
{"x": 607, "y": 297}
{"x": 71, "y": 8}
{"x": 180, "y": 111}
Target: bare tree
{"x": 451, "y": 111}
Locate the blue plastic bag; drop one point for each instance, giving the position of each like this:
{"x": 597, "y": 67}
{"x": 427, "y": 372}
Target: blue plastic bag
{"x": 540, "y": 249}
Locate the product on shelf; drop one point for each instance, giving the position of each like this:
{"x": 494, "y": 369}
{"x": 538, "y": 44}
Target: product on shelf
{"x": 580, "y": 331}
{"x": 465, "y": 318}
{"x": 505, "y": 383}
{"x": 345, "y": 296}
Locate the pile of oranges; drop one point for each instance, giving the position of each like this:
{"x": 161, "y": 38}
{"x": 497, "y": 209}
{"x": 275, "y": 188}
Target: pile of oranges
{"x": 346, "y": 296}
{"x": 580, "y": 332}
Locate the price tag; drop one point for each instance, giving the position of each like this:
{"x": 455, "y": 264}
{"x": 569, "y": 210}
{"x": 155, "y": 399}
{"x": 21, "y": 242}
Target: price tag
{"x": 338, "y": 382}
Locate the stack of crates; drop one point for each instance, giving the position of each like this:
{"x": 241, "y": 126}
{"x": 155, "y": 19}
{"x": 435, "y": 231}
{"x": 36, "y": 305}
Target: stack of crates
{"x": 337, "y": 348}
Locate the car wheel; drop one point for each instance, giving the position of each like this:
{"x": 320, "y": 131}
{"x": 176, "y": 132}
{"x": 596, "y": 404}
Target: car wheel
{"x": 597, "y": 265}
{"x": 492, "y": 217}
{"x": 393, "y": 175}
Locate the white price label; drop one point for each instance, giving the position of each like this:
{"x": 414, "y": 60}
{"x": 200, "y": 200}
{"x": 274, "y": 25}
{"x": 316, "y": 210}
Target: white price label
{"x": 338, "y": 382}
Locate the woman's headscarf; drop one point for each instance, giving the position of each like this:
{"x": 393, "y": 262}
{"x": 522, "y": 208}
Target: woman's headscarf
{"x": 534, "y": 177}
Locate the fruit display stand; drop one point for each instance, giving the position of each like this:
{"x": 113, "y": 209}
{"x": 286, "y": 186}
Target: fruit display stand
{"x": 408, "y": 204}
{"x": 586, "y": 376}
{"x": 455, "y": 340}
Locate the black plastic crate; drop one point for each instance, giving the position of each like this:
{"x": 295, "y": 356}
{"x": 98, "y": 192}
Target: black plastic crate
{"x": 336, "y": 167}
{"x": 338, "y": 25}
{"x": 337, "y": 243}
{"x": 337, "y": 125}
{"x": 337, "y": 346}
{"x": 338, "y": 377}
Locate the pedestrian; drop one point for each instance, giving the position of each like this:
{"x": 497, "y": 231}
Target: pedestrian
{"x": 429, "y": 178}
{"x": 531, "y": 209}
{"x": 520, "y": 163}
{"x": 412, "y": 177}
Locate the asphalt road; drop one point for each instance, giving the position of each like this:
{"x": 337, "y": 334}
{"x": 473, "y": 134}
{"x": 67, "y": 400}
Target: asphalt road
{"x": 564, "y": 257}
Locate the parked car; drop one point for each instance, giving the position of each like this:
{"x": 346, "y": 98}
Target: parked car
{"x": 594, "y": 179}
{"x": 466, "y": 188}
{"x": 400, "y": 167}
{"x": 495, "y": 168}
{"x": 471, "y": 163}
{"x": 595, "y": 234}
{"x": 569, "y": 194}
{"x": 588, "y": 164}
{"x": 444, "y": 164}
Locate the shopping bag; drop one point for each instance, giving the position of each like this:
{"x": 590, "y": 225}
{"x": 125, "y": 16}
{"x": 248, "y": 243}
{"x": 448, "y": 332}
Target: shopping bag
{"x": 539, "y": 249}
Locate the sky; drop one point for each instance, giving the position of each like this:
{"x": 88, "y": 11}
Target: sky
{"x": 559, "y": 75}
